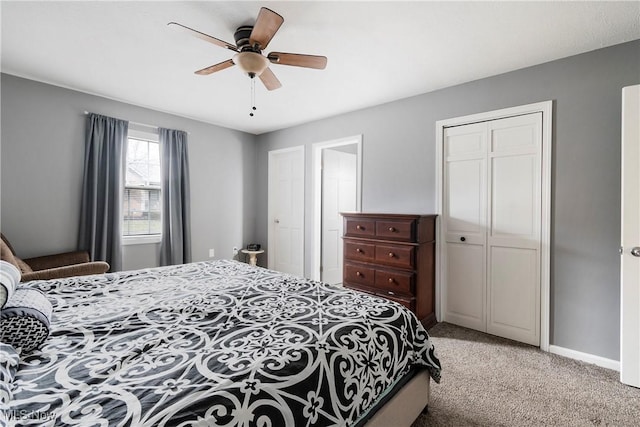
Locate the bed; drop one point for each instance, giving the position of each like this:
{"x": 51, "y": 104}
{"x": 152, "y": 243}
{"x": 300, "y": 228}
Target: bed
{"x": 218, "y": 343}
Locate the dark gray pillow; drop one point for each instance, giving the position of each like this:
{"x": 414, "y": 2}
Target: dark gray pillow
{"x": 25, "y": 319}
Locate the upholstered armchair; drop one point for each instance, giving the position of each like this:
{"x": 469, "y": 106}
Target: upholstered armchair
{"x": 77, "y": 263}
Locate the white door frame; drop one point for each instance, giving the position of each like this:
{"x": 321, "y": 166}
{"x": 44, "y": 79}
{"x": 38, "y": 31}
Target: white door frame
{"x": 270, "y": 184}
{"x": 546, "y": 108}
{"x": 316, "y": 159}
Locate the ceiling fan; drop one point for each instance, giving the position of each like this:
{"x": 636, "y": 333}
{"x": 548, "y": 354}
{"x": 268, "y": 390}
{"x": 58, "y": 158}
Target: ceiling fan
{"x": 250, "y": 42}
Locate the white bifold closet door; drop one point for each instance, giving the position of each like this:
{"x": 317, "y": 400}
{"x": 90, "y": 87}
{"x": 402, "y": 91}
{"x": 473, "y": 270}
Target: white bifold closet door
{"x": 492, "y": 226}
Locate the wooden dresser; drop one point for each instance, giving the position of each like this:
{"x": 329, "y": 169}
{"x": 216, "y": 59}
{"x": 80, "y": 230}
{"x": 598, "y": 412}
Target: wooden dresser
{"x": 393, "y": 256}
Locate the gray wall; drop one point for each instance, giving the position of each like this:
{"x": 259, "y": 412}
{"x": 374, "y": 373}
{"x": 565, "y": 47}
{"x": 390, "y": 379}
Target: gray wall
{"x": 399, "y": 173}
{"x": 42, "y": 159}
{"x": 42, "y": 150}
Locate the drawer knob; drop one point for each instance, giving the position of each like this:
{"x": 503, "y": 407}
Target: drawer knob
{"x": 391, "y": 254}
{"x": 358, "y": 274}
{"x": 391, "y": 293}
{"x": 359, "y": 250}
{"x": 392, "y": 229}
{"x": 359, "y": 227}
{"x": 462, "y": 239}
{"x": 391, "y": 280}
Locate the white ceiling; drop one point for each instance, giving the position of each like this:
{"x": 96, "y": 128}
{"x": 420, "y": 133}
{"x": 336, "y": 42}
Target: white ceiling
{"x": 377, "y": 51}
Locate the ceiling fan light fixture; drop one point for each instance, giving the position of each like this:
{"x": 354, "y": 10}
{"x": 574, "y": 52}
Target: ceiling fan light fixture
{"x": 251, "y": 40}
{"x": 251, "y": 63}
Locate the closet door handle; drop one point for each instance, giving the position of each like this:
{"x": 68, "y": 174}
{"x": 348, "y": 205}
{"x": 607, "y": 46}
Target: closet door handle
{"x": 636, "y": 251}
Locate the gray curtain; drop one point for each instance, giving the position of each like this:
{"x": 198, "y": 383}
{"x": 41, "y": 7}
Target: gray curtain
{"x": 176, "y": 214}
{"x": 100, "y": 214}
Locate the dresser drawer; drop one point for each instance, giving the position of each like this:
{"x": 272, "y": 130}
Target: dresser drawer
{"x": 359, "y": 227}
{"x": 396, "y": 230}
{"x": 396, "y": 255}
{"x": 359, "y": 275}
{"x": 395, "y": 282}
{"x": 359, "y": 251}
{"x": 410, "y": 303}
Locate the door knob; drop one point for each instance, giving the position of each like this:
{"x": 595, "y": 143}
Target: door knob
{"x": 635, "y": 251}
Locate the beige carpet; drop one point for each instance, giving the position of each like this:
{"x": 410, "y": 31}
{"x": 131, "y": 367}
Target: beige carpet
{"x": 490, "y": 381}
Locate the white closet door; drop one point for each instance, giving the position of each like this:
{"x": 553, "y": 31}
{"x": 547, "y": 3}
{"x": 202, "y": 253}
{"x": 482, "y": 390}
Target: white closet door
{"x": 513, "y": 238}
{"x": 491, "y": 226}
{"x": 465, "y": 149}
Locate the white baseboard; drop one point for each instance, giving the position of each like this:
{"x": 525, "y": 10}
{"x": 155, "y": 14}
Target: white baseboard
{"x": 585, "y": 357}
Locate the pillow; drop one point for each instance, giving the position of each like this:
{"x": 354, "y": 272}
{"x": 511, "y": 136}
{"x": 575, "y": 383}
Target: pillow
{"x": 25, "y": 319}
{"x": 9, "y": 278}
{"x": 9, "y": 361}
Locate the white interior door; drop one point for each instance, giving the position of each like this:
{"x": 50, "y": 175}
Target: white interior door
{"x": 492, "y": 226}
{"x": 286, "y": 210}
{"x": 338, "y": 195}
{"x": 630, "y": 260}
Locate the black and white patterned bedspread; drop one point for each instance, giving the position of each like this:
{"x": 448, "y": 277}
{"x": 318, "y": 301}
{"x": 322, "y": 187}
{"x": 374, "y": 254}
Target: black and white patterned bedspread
{"x": 214, "y": 343}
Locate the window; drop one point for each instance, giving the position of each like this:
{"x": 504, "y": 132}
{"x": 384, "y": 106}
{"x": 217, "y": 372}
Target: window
{"x": 142, "y": 208}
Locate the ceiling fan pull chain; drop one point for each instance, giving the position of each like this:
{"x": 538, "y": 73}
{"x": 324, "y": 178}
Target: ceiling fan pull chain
{"x": 253, "y": 96}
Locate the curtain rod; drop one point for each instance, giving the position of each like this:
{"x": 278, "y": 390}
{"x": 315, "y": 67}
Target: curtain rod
{"x": 136, "y": 123}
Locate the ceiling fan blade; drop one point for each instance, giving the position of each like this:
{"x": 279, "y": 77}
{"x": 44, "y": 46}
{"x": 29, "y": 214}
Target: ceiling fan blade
{"x": 270, "y": 80}
{"x": 265, "y": 28}
{"x": 217, "y": 67}
{"x": 206, "y": 37}
{"x": 298, "y": 60}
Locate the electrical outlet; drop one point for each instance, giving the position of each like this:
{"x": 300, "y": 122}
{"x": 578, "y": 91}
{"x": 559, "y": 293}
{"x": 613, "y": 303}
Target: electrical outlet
{"x": 235, "y": 251}
{"x": 212, "y": 253}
